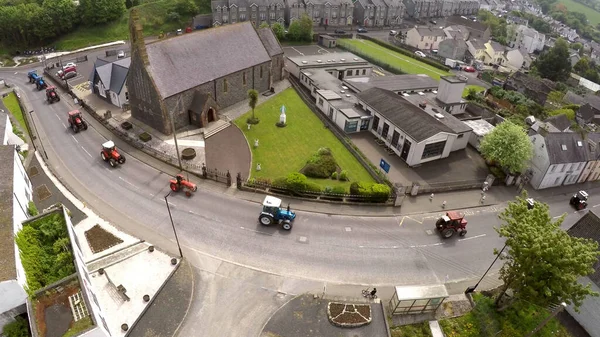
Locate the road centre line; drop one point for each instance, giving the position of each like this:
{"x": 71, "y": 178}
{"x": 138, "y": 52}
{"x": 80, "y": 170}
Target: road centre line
{"x": 472, "y": 237}
{"x": 87, "y": 152}
{"x": 75, "y": 139}
{"x": 58, "y": 117}
{"x": 63, "y": 124}
{"x": 130, "y": 183}
{"x": 596, "y": 205}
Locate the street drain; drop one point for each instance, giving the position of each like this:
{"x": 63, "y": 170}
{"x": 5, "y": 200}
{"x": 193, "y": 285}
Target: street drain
{"x": 303, "y": 239}
{"x": 429, "y": 232}
{"x": 33, "y": 171}
{"x": 43, "y": 192}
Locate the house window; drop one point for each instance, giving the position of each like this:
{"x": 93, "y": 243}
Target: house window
{"x": 225, "y": 18}
{"x": 272, "y": 15}
{"x": 364, "y": 124}
{"x": 557, "y": 181}
{"x": 553, "y": 168}
{"x": 320, "y": 101}
{"x": 261, "y": 71}
{"x": 395, "y": 138}
{"x": 334, "y": 14}
{"x": 422, "y": 38}
{"x": 263, "y": 16}
{"x": 433, "y": 149}
{"x": 242, "y": 17}
{"x": 562, "y": 168}
{"x": 386, "y": 128}
{"x": 364, "y": 72}
{"x": 350, "y": 126}
{"x": 244, "y": 78}
{"x": 225, "y": 85}
{"x": 316, "y": 14}
{"x": 375, "y": 124}
{"x": 356, "y": 72}
{"x": 348, "y": 72}
{"x": 461, "y": 135}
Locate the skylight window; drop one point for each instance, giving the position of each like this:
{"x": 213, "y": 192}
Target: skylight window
{"x": 579, "y": 143}
{"x": 564, "y": 147}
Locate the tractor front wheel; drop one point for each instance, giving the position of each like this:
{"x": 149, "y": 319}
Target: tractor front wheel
{"x": 463, "y": 232}
{"x": 265, "y": 220}
{"x": 287, "y": 225}
{"x": 188, "y": 193}
{"x": 122, "y": 160}
{"x": 112, "y": 162}
{"x": 103, "y": 156}
{"x": 195, "y": 188}
{"x": 174, "y": 187}
{"x": 447, "y": 233}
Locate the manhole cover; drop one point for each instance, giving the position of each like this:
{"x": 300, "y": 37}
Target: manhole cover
{"x": 348, "y": 229}
{"x": 43, "y": 192}
{"x": 429, "y": 232}
{"x": 303, "y": 239}
{"x": 33, "y": 171}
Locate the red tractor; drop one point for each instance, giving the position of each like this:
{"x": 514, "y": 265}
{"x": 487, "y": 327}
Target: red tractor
{"x": 180, "y": 183}
{"x": 76, "y": 121}
{"x": 111, "y": 155}
{"x": 52, "y": 95}
{"x": 451, "y": 223}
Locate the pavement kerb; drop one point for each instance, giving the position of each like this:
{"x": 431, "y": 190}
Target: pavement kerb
{"x": 187, "y": 310}
{"x": 276, "y": 311}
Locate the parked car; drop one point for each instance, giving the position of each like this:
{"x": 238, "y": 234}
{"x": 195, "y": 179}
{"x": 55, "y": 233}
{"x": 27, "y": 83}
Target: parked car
{"x": 434, "y": 51}
{"x": 340, "y": 31}
{"x": 469, "y": 69}
{"x": 121, "y": 54}
{"x": 70, "y": 75}
{"x": 433, "y": 22}
{"x": 420, "y": 53}
{"x": 362, "y": 30}
{"x": 70, "y": 64}
{"x": 179, "y": 31}
{"x": 393, "y": 32}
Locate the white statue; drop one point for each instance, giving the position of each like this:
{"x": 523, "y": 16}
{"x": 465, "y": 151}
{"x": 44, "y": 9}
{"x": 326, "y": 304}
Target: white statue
{"x": 282, "y": 116}
{"x": 256, "y": 143}
{"x": 258, "y": 167}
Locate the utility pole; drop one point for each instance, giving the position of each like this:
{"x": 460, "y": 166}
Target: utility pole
{"x": 172, "y": 224}
{"x": 175, "y": 132}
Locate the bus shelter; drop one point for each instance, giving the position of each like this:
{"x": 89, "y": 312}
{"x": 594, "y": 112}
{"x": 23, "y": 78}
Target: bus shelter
{"x": 417, "y": 299}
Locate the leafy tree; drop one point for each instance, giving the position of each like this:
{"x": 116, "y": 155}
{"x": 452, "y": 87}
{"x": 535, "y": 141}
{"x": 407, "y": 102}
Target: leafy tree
{"x": 576, "y": 45}
{"x": 302, "y": 29}
{"x": 555, "y": 64}
{"x": 507, "y": 145}
{"x": 278, "y": 30}
{"x": 18, "y": 328}
{"x": 264, "y": 25}
{"x": 543, "y": 262}
{"x": 96, "y": 12}
{"x": 252, "y": 100}
{"x": 186, "y": 8}
{"x": 556, "y": 97}
{"x": 567, "y": 112}
{"x": 63, "y": 15}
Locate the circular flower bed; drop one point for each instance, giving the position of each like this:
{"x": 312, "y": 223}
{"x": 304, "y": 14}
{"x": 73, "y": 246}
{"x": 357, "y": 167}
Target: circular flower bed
{"x": 348, "y": 315}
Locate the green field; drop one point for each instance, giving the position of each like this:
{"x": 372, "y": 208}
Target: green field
{"x": 285, "y": 150}
{"x": 592, "y": 15}
{"x": 408, "y": 64}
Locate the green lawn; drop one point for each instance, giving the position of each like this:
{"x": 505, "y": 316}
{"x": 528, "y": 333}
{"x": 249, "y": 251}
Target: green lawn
{"x": 413, "y": 330}
{"x": 285, "y": 150}
{"x": 476, "y": 87}
{"x": 12, "y": 104}
{"x": 407, "y": 64}
{"x": 591, "y": 14}
{"x": 517, "y": 320}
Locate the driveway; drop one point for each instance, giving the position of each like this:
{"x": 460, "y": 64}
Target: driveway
{"x": 464, "y": 165}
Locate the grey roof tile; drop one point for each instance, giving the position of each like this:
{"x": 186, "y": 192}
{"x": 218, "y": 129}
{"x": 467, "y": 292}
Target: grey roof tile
{"x": 270, "y": 41}
{"x": 472, "y": 25}
{"x": 588, "y": 227}
{"x": 417, "y": 123}
{"x": 395, "y": 82}
{"x": 431, "y": 31}
{"x": 563, "y": 148}
{"x": 120, "y": 69}
{"x": 8, "y": 269}
{"x": 561, "y": 122}
{"x": 184, "y": 62}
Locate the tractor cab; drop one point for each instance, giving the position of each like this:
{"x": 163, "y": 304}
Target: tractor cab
{"x": 32, "y": 75}
{"x": 111, "y": 155}
{"x": 52, "y": 95}
{"x": 451, "y": 223}
{"x": 579, "y": 200}
{"x": 107, "y": 147}
{"x": 73, "y": 114}
{"x": 273, "y": 213}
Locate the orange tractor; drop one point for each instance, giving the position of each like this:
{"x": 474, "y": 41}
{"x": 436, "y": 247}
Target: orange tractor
{"x": 451, "y": 223}
{"x": 111, "y": 155}
{"x": 76, "y": 121}
{"x": 180, "y": 183}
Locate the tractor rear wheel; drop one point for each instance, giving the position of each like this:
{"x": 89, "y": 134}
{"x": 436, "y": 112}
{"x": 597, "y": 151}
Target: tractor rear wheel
{"x": 195, "y": 188}
{"x": 103, "y": 156}
{"x": 112, "y": 162}
{"x": 174, "y": 187}
{"x": 188, "y": 193}
{"x": 85, "y": 126}
{"x": 287, "y": 225}
{"x": 447, "y": 233}
{"x": 265, "y": 220}
{"x": 75, "y": 128}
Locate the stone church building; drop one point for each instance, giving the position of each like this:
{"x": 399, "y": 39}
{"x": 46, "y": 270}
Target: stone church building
{"x": 194, "y": 75}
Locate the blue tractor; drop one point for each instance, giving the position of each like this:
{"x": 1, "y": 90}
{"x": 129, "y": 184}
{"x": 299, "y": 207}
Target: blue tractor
{"x": 273, "y": 213}
{"x": 40, "y": 84}
{"x": 31, "y": 76}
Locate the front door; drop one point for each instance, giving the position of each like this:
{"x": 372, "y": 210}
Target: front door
{"x": 405, "y": 149}
{"x": 211, "y": 115}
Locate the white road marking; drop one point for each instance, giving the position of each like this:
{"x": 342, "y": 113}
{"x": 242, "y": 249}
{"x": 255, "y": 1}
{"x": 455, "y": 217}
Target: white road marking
{"x": 172, "y": 204}
{"x": 87, "y": 152}
{"x": 596, "y": 205}
{"x": 430, "y": 245}
{"x": 58, "y": 117}
{"x": 75, "y": 139}
{"x": 472, "y": 237}
{"x": 63, "y": 124}
{"x": 130, "y": 183}
{"x": 108, "y": 170}
{"x": 297, "y": 51}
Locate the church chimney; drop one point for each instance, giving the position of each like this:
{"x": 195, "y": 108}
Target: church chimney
{"x": 136, "y": 36}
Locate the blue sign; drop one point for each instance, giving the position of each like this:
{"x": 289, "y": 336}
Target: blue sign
{"x": 384, "y": 165}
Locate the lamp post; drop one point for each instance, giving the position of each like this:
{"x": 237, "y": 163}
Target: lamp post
{"x": 472, "y": 288}
{"x": 172, "y": 224}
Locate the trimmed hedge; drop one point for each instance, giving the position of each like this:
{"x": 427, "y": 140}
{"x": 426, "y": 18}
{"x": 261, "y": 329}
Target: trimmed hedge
{"x": 376, "y": 192}
{"x": 405, "y": 52}
{"x": 321, "y": 165}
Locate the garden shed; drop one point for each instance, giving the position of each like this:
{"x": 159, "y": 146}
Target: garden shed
{"x": 417, "y": 299}
{"x": 327, "y": 41}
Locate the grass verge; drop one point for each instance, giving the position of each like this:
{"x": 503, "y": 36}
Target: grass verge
{"x": 285, "y": 150}
{"x": 12, "y": 104}
{"x": 407, "y": 64}
{"x": 591, "y": 14}
{"x": 413, "y": 330}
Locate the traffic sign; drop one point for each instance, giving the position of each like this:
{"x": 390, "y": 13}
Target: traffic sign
{"x": 384, "y": 165}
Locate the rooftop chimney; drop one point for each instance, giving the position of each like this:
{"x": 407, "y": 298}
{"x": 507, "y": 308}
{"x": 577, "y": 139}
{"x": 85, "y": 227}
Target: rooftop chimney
{"x": 136, "y": 34}
{"x": 450, "y": 89}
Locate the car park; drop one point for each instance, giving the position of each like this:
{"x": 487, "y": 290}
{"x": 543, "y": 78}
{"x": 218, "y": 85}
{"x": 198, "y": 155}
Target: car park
{"x": 70, "y": 75}
{"x": 420, "y": 53}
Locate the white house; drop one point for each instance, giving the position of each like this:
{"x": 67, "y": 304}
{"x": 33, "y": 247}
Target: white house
{"x": 515, "y": 59}
{"x": 480, "y": 128}
{"x": 7, "y": 137}
{"x": 559, "y": 158}
{"x": 15, "y": 195}
{"x": 417, "y": 136}
{"x": 527, "y": 38}
{"x": 591, "y": 171}
{"x": 108, "y": 81}
{"x": 425, "y": 37}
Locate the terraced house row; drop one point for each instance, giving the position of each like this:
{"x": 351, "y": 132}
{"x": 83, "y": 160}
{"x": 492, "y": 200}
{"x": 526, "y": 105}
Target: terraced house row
{"x": 337, "y": 13}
